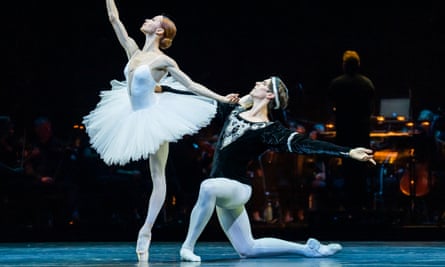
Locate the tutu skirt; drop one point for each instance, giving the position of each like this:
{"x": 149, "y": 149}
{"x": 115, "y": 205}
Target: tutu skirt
{"x": 121, "y": 134}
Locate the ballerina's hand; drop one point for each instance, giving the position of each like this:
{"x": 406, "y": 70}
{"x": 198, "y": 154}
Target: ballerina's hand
{"x": 232, "y": 98}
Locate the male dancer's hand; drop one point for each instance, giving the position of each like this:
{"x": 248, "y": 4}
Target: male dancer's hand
{"x": 362, "y": 154}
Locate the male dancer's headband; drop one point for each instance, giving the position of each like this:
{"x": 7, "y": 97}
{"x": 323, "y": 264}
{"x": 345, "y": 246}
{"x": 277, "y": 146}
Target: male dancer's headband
{"x": 275, "y": 83}
{"x": 275, "y": 92}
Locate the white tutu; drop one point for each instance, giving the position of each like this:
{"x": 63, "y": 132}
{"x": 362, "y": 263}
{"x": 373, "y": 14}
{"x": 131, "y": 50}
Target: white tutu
{"x": 121, "y": 134}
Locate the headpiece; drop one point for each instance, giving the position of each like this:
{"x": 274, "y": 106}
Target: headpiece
{"x": 275, "y": 92}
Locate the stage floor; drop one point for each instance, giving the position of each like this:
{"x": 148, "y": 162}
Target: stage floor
{"x": 372, "y": 253}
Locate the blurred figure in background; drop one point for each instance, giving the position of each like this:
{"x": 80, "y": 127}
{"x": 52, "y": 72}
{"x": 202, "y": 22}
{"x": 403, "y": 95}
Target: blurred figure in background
{"x": 352, "y": 96}
{"x": 50, "y": 188}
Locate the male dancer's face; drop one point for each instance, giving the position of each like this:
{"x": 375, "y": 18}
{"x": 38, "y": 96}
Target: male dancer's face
{"x": 261, "y": 89}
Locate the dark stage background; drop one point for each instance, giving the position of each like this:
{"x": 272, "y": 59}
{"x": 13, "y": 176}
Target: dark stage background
{"x": 59, "y": 55}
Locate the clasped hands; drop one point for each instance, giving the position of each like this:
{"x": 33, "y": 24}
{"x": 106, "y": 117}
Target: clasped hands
{"x": 232, "y": 98}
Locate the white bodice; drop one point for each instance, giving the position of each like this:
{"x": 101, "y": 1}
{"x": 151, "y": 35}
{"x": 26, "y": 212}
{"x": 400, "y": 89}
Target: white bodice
{"x": 142, "y": 87}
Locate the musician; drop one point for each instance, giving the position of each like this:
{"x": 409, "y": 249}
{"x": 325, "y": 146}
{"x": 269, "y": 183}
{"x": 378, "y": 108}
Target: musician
{"x": 352, "y": 96}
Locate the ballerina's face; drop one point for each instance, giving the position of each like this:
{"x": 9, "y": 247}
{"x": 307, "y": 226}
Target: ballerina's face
{"x": 151, "y": 25}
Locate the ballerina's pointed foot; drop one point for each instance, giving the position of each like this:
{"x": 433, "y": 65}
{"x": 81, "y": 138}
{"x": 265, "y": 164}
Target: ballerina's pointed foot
{"x": 188, "y": 255}
{"x": 142, "y": 246}
{"x": 142, "y": 256}
{"x": 315, "y": 249}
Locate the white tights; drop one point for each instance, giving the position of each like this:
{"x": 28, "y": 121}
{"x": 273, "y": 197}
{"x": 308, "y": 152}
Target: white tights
{"x": 229, "y": 197}
{"x": 158, "y": 163}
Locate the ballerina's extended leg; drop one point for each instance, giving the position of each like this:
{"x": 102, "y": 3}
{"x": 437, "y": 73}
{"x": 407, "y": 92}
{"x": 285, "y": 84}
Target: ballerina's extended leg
{"x": 157, "y": 199}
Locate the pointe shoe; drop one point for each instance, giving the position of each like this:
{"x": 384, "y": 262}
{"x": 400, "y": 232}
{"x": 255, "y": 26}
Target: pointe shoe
{"x": 315, "y": 249}
{"x": 142, "y": 246}
{"x": 142, "y": 256}
{"x": 188, "y": 255}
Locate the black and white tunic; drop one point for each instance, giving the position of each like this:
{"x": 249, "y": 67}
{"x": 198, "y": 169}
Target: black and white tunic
{"x": 241, "y": 141}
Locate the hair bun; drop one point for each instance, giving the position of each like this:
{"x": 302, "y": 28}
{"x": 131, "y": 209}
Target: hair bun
{"x": 165, "y": 43}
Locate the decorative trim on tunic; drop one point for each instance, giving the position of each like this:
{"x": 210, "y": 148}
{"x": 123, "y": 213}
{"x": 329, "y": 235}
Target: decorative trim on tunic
{"x": 289, "y": 141}
{"x": 237, "y": 126}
